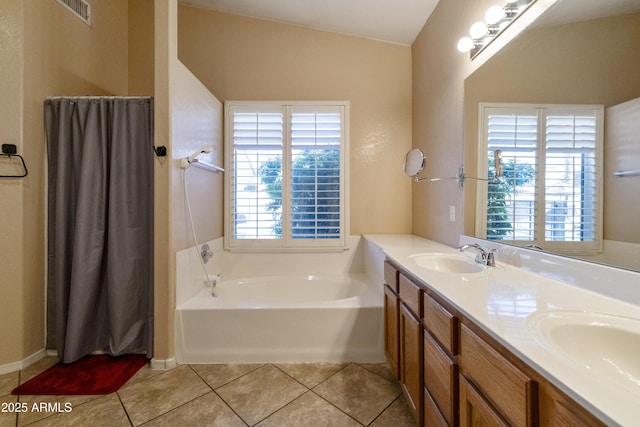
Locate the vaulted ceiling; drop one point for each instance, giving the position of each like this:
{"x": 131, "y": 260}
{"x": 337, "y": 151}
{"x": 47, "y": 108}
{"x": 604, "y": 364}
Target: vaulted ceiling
{"x": 397, "y": 21}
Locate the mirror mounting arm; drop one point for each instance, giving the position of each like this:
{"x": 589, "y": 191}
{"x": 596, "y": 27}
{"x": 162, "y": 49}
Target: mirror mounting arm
{"x": 462, "y": 178}
{"x": 432, "y": 179}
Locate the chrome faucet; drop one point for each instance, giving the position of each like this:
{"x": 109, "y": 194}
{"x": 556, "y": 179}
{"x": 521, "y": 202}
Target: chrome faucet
{"x": 532, "y": 246}
{"x": 482, "y": 257}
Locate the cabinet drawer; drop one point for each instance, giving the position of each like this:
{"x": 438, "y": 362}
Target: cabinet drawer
{"x": 501, "y": 383}
{"x": 391, "y": 276}
{"x": 441, "y": 378}
{"x": 442, "y": 324}
{"x": 411, "y": 295}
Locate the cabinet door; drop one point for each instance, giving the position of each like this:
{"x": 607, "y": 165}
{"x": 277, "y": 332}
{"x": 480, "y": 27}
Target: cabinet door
{"x": 440, "y": 379}
{"x": 558, "y": 410}
{"x": 474, "y": 410}
{"x": 391, "y": 344}
{"x": 508, "y": 389}
{"x": 411, "y": 360}
{"x": 432, "y": 415}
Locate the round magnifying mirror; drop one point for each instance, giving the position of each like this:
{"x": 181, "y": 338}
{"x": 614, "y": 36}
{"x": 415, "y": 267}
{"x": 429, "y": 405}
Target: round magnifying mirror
{"x": 414, "y": 162}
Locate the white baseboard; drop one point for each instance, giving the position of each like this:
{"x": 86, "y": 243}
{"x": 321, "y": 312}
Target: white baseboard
{"x": 163, "y": 364}
{"x": 29, "y": 360}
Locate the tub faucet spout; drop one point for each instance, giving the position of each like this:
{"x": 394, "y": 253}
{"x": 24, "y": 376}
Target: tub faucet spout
{"x": 481, "y": 257}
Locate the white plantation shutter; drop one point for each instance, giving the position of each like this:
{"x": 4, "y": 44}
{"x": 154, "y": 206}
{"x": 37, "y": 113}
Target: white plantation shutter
{"x": 315, "y": 184}
{"x": 257, "y": 143}
{"x": 571, "y": 178}
{"x": 516, "y": 134}
{"x": 550, "y": 193}
{"x": 286, "y": 187}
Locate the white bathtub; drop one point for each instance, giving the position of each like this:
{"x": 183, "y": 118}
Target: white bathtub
{"x": 283, "y": 319}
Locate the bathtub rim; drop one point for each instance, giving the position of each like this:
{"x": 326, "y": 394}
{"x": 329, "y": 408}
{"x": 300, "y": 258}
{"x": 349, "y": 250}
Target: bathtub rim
{"x": 371, "y": 295}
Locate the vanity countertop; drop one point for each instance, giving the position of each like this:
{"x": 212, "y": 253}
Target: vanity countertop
{"x": 508, "y": 303}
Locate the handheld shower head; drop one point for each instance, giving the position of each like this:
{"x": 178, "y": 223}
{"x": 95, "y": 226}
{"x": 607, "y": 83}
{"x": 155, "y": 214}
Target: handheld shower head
{"x": 193, "y": 157}
{"x": 186, "y": 162}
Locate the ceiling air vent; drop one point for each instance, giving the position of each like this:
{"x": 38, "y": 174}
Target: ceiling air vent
{"x": 80, "y": 8}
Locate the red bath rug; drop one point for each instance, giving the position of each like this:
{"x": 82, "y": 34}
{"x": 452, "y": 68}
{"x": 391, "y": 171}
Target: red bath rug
{"x": 95, "y": 374}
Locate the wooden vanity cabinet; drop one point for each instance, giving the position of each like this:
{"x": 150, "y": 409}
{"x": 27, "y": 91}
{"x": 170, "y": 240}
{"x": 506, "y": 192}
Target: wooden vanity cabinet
{"x": 453, "y": 373}
{"x": 411, "y": 345}
{"x": 391, "y": 317}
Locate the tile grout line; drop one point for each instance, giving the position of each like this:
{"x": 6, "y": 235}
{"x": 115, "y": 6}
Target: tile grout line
{"x": 331, "y": 403}
{"x": 311, "y": 390}
{"x": 213, "y": 390}
{"x": 385, "y": 409}
{"x": 124, "y": 408}
{"x": 228, "y": 382}
{"x": 286, "y": 404}
{"x": 378, "y": 374}
{"x": 340, "y": 409}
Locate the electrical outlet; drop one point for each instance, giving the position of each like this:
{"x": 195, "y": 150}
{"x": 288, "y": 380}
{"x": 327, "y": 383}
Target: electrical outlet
{"x": 452, "y": 213}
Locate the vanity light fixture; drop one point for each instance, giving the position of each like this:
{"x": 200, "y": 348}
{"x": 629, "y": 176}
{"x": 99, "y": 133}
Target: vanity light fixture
{"x": 496, "y": 19}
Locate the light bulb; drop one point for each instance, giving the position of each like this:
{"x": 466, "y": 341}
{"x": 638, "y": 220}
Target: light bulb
{"x": 465, "y": 44}
{"x": 494, "y": 15}
{"x": 478, "y": 30}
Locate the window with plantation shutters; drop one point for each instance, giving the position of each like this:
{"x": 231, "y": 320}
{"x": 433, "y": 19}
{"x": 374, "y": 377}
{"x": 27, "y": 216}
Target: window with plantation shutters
{"x": 315, "y": 175}
{"x": 286, "y": 175}
{"x": 550, "y": 194}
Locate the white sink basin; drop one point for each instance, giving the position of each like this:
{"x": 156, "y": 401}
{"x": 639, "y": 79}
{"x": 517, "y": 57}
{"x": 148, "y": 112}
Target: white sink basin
{"x": 607, "y": 346}
{"x": 446, "y": 263}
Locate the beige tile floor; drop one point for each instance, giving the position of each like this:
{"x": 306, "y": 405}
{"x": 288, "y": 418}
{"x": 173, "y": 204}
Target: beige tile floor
{"x": 264, "y": 395}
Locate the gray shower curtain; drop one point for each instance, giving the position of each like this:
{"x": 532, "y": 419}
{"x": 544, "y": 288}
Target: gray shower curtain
{"x": 100, "y": 225}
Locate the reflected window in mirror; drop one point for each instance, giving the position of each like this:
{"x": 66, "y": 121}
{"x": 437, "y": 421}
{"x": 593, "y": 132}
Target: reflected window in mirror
{"x": 551, "y": 191}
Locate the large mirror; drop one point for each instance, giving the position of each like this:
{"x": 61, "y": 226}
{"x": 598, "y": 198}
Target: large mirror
{"x": 571, "y": 55}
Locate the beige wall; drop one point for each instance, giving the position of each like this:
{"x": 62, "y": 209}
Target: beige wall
{"x": 12, "y": 328}
{"x": 248, "y": 59}
{"x": 43, "y": 60}
{"x": 165, "y": 54}
{"x": 439, "y": 71}
{"x": 141, "y": 47}
{"x": 593, "y": 62}
{"x": 187, "y": 117}
{"x": 197, "y": 122}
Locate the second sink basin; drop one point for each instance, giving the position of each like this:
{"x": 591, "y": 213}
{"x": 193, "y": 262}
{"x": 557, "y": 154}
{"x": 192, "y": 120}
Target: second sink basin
{"x": 605, "y": 345}
{"x": 446, "y": 263}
